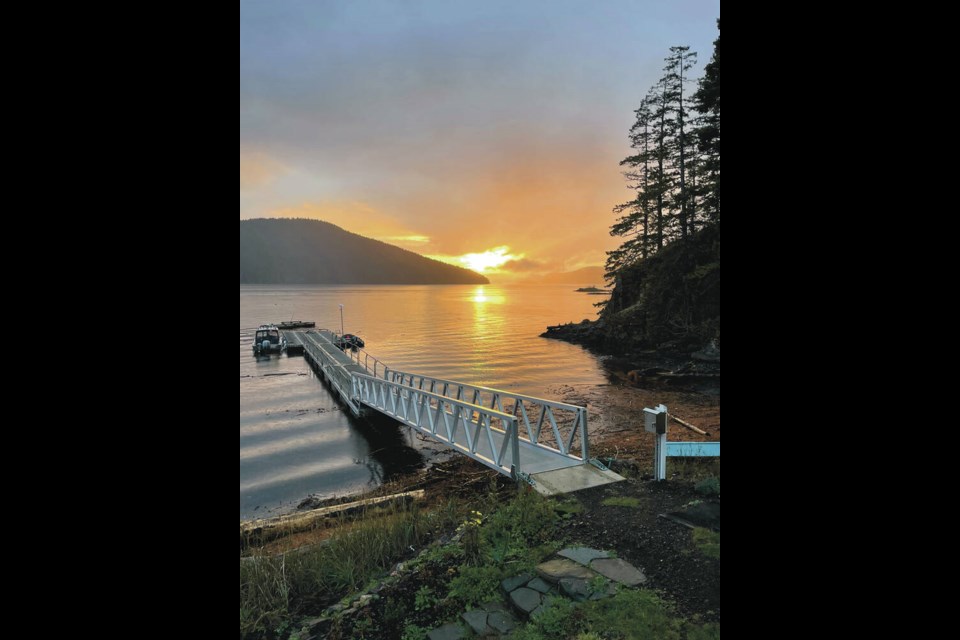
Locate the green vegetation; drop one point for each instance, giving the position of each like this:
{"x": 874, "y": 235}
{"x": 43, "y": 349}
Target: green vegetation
{"x": 275, "y": 589}
{"x": 567, "y": 506}
{"x": 621, "y": 501}
{"x": 709, "y": 486}
{"x": 414, "y": 632}
{"x": 708, "y": 542}
{"x": 288, "y": 251}
{"x": 514, "y": 538}
{"x": 695, "y": 469}
{"x": 629, "y": 615}
{"x": 424, "y": 599}
{"x": 495, "y": 539}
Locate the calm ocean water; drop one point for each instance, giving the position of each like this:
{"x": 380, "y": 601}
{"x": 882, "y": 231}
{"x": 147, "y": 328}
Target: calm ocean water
{"x": 295, "y": 441}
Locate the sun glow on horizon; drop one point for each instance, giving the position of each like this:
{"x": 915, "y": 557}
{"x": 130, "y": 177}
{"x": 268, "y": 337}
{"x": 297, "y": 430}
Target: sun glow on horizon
{"x": 486, "y": 262}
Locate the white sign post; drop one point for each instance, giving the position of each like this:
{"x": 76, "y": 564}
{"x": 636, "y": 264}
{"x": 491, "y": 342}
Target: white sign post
{"x": 655, "y": 421}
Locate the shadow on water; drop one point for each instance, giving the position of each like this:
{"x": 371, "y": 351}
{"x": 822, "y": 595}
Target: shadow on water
{"x": 390, "y": 453}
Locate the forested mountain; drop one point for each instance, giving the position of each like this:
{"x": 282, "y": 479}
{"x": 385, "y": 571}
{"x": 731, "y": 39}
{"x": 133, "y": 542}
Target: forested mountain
{"x": 294, "y": 251}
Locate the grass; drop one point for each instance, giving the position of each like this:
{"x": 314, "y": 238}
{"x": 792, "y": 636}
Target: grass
{"x": 707, "y": 542}
{"x": 629, "y": 615}
{"x": 567, "y": 506}
{"x": 693, "y": 468}
{"x": 274, "y": 590}
{"x": 621, "y": 501}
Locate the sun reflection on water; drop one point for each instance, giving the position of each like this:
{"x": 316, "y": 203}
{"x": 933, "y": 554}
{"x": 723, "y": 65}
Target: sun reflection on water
{"x": 481, "y": 295}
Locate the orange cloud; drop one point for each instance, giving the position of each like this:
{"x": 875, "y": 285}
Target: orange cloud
{"x": 257, "y": 170}
{"x": 548, "y": 200}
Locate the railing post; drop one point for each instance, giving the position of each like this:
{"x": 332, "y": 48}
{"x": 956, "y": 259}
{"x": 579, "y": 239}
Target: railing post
{"x": 584, "y": 445}
{"x": 515, "y": 446}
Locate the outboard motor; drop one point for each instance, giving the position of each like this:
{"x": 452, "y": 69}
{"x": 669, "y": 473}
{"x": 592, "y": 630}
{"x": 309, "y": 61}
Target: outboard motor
{"x": 265, "y": 346}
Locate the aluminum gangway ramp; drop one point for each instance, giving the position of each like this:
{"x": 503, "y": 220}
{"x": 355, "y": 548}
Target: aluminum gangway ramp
{"x": 542, "y": 442}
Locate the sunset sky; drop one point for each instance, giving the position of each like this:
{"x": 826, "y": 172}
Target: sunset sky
{"x": 453, "y": 128}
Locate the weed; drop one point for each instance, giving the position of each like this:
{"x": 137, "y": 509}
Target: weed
{"x": 559, "y": 620}
{"x": 476, "y": 585}
{"x": 632, "y": 615}
{"x": 597, "y": 585}
{"x": 629, "y": 615}
{"x": 394, "y": 613}
{"x": 709, "y": 486}
{"x": 621, "y": 501}
{"x": 693, "y": 468}
{"x": 708, "y": 542}
{"x": 470, "y": 537}
{"x": 709, "y": 631}
{"x": 362, "y": 627}
{"x": 414, "y": 632}
{"x": 567, "y": 507}
{"x": 424, "y": 598}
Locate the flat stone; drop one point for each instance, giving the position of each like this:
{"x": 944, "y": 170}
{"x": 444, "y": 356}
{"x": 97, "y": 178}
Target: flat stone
{"x": 583, "y": 555}
{"x": 477, "y": 619}
{"x": 501, "y": 621}
{"x": 510, "y": 584}
{"x": 537, "y": 584}
{"x": 575, "y": 588}
{"x": 619, "y": 570}
{"x": 493, "y": 605}
{"x": 524, "y": 599}
{"x": 558, "y": 568}
{"x": 448, "y": 632}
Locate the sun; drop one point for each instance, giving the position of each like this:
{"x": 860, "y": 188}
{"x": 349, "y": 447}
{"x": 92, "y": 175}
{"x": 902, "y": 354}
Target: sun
{"x": 490, "y": 259}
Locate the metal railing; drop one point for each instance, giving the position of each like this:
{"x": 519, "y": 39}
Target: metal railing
{"x": 375, "y": 367}
{"x": 466, "y": 427}
{"x": 334, "y": 371}
{"x": 565, "y": 421}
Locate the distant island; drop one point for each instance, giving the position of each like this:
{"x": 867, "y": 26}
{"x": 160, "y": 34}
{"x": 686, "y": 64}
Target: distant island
{"x": 593, "y": 290}
{"x": 299, "y": 251}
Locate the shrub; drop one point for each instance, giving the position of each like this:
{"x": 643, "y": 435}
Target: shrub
{"x": 709, "y": 486}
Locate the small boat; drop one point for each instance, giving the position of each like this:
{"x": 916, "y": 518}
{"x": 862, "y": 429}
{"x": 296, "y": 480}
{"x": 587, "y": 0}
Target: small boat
{"x": 268, "y": 339}
{"x": 350, "y": 341}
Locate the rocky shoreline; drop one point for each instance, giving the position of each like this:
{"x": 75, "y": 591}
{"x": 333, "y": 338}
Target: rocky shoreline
{"x": 697, "y": 369}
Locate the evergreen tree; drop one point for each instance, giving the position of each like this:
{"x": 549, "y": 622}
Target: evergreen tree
{"x": 675, "y": 169}
{"x": 679, "y": 63}
{"x": 634, "y": 221}
{"x": 707, "y": 103}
